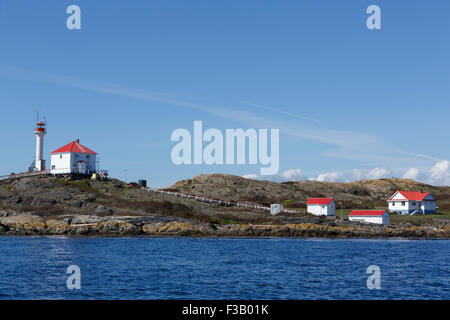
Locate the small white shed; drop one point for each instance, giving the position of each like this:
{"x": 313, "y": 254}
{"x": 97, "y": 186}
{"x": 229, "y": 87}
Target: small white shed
{"x": 370, "y": 216}
{"x": 276, "y": 208}
{"x": 321, "y": 206}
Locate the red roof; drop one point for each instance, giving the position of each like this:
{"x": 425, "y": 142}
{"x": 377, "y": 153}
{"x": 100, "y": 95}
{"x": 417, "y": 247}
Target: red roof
{"x": 411, "y": 195}
{"x": 367, "y": 213}
{"x": 74, "y": 147}
{"x": 322, "y": 201}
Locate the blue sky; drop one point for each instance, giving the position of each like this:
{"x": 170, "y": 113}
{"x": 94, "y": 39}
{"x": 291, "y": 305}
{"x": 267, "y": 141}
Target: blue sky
{"x": 349, "y": 102}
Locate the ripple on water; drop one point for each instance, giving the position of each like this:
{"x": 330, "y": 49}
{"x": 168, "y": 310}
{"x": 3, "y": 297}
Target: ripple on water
{"x": 234, "y": 268}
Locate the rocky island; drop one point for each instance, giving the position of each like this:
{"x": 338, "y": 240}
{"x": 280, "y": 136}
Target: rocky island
{"x": 54, "y": 206}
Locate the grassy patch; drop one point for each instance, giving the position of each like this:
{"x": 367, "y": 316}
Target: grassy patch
{"x": 229, "y": 221}
{"x": 418, "y": 220}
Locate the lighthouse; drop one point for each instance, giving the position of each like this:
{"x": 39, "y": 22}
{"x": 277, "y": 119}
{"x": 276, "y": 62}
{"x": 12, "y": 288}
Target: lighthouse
{"x": 40, "y": 132}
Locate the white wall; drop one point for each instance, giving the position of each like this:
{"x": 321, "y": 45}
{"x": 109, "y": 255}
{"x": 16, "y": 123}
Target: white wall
{"x": 398, "y": 196}
{"x": 60, "y": 163}
{"x": 384, "y": 219}
{"x": 321, "y": 210}
{"x": 68, "y": 162}
{"x": 397, "y": 206}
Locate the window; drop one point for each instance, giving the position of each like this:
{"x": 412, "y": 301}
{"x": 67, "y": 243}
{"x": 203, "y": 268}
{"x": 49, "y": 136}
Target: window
{"x": 413, "y": 203}
{"x": 403, "y": 203}
{"x": 53, "y": 167}
{"x": 393, "y": 204}
{"x": 60, "y": 156}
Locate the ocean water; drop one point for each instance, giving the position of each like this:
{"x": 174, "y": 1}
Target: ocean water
{"x": 224, "y": 268}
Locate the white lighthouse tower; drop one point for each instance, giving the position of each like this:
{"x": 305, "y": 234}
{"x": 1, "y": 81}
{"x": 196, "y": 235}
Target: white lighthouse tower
{"x": 40, "y": 132}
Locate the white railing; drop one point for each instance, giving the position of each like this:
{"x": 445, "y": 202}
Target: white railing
{"x": 13, "y": 176}
{"x": 218, "y": 201}
{"x": 70, "y": 170}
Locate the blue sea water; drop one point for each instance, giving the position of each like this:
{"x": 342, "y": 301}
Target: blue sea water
{"x": 224, "y": 268}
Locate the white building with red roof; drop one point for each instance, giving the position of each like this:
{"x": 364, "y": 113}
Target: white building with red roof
{"x": 412, "y": 202}
{"x": 73, "y": 158}
{"x": 321, "y": 206}
{"x": 370, "y": 216}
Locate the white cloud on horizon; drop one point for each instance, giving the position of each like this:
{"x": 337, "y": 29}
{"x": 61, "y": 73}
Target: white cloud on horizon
{"x": 412, "y": 174}
{"x": 330, "y": 177}
{"x": 438, "y": 175}
{"x": 292, "y": 174}
{"x": 288, "y": 175}
{"x": 379, "y": 173}
{"x": 251, "y": 176}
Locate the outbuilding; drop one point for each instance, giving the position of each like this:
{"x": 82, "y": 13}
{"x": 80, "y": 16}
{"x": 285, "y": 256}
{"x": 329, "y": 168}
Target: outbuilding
{"x": 73, "y": 158}
{"x": 370, "y": 216}
{"x": 412, "y": 202}
{"x": 321, "y": 206}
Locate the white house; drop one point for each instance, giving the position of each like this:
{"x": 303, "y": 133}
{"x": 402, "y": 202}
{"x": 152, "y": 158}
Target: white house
{"x": 370, "y": 216}
{"x": 321, "y": 206}
{"x": 412, "y": 202}
{"x": 73, "y": 158}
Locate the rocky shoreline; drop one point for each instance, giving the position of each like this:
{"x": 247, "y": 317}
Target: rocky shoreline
{"x": 90, "y": 225}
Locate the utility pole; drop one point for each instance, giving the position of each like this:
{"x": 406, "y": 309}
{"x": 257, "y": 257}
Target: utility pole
{"x": 341, "y": 208}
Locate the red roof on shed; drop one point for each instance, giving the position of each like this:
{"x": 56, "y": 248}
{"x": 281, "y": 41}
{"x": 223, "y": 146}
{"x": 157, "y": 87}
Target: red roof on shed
{"x": 322, "y": 201}
{"x": 367, "y": 212}
{"x": 74, "y": 147}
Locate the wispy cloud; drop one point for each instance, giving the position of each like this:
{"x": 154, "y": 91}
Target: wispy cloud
{"x": 278, "y": 110}
{"x": 343, "y": 144}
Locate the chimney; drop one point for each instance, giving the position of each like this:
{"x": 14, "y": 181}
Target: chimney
{"x": 77, "y": 141}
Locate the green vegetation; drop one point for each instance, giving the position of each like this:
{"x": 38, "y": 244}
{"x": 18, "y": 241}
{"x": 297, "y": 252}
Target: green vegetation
{"x": 420, "y": 219}
{"x": 83, "y": 184}
{"x": 229, "y": 221}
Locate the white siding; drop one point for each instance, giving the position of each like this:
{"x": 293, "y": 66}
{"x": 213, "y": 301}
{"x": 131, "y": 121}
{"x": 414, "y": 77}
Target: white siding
{"x": 60, "y": 163}
{"x": 68, "y": 162}
{"x": 322, "y": 210}
{"x": 400, "y": 206}
{"x": 384, "y": 219}
{"x": 398, "y": 196}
